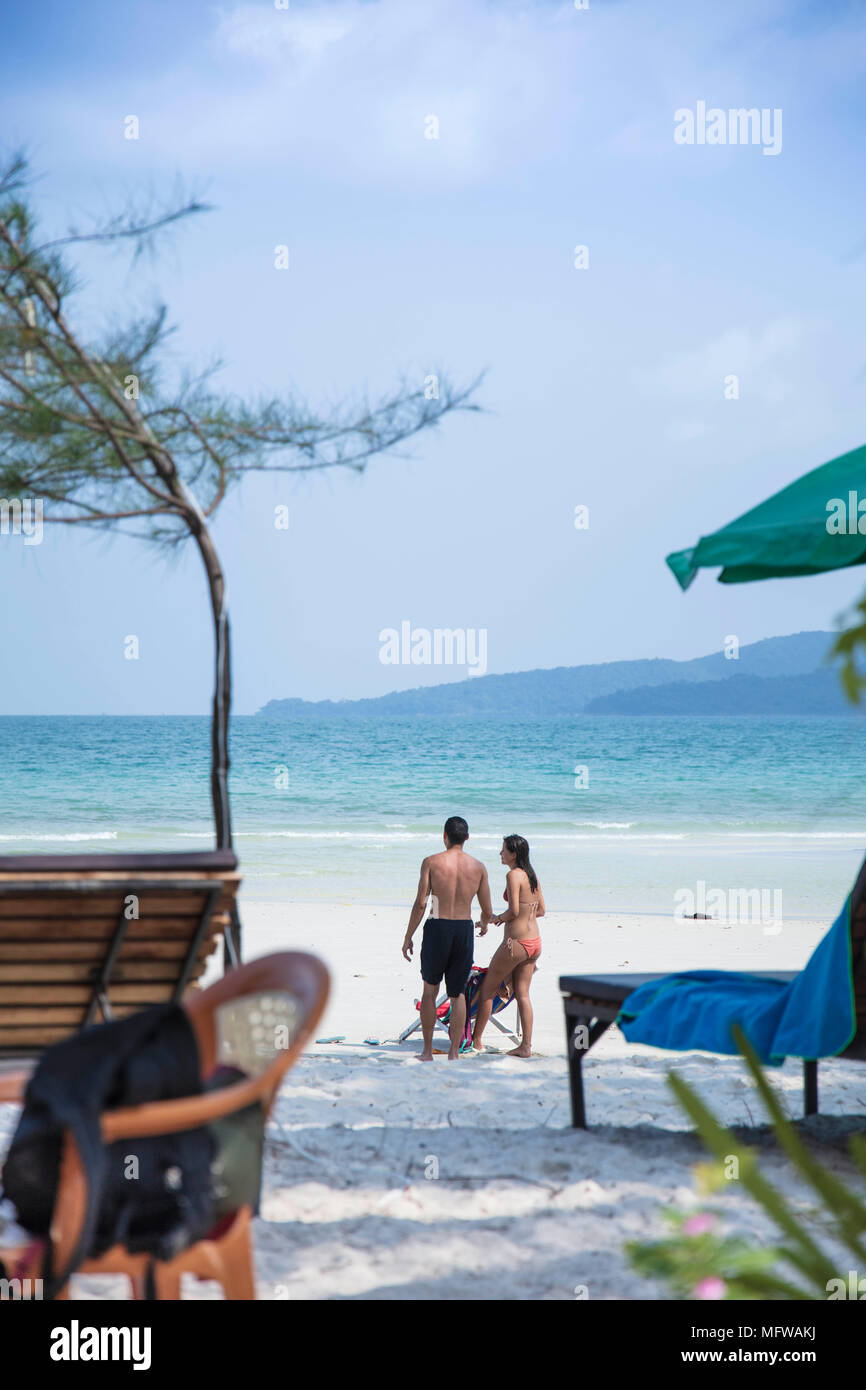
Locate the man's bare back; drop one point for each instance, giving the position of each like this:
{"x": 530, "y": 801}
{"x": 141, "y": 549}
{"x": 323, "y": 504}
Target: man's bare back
{"x": 455, "y": 879}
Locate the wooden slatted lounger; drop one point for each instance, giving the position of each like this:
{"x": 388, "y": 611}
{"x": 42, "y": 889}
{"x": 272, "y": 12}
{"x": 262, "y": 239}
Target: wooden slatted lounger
{"x": 88, "y": 938}
{"x": 594, "y": 1001}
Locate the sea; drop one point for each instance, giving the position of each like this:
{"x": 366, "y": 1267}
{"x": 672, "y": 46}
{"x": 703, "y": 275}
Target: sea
{"x": 621, "y": 814}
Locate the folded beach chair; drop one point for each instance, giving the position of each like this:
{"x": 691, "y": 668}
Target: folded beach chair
{"x": 254, "y": 1021}
{"x": 817, "y": 1012}
{"x": 473, "y": 991}
{"x": 87, "y": 938}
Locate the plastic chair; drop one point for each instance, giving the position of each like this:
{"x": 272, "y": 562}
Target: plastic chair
{"x": 256, "y": 1019}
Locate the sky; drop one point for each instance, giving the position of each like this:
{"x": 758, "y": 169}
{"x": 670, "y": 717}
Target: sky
{"x": 605, "y": 383}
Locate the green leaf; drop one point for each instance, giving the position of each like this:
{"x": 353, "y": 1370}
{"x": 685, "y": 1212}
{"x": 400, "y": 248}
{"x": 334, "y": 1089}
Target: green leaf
{"x": 848, "y": 1210}
{"x": 808, "y": 1257}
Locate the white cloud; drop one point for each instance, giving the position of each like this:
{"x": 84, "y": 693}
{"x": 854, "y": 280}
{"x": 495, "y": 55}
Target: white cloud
{"x": 763, "y": 361}
{"x": 342, "y": 88}
{"x": 347, "y": 87}
{"x": 276, "y": 36}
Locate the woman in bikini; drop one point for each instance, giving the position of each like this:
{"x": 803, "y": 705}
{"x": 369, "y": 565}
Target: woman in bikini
{"x": 521, "y": 944}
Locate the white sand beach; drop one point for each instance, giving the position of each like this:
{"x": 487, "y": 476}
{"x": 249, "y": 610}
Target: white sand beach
{"x": 389, "y": 1179}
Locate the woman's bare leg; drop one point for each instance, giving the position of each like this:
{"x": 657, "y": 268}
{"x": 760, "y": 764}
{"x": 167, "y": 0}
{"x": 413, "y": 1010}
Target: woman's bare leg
{"x": 456, "y": 1025}
{"x": 498, "y": 971}
{"x": 521, "y": 980}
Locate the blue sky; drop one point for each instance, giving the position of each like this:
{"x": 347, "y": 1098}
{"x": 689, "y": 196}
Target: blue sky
{"x": 605, "y": 386}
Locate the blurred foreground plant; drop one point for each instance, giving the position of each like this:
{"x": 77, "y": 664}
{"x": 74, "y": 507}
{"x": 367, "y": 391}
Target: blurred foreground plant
{"x": 697, "y": 1262}
{"x": 850, "y": 643}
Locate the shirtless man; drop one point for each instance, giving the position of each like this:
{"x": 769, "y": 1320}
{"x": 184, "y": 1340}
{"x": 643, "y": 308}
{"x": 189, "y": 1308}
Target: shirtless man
{"x": 454, "y": 879}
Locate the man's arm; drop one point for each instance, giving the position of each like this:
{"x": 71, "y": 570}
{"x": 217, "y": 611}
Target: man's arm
{"x": 484, "y": 902}
{"x": 418, "y": 908}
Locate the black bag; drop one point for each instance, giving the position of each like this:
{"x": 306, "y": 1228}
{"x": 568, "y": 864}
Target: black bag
{"x": 153, "y": 1195}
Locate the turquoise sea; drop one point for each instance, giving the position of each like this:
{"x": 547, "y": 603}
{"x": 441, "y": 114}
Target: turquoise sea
{"x": 344, "y": 811}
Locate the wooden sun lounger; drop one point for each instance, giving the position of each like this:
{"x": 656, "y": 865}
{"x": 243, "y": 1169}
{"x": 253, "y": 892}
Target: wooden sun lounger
{"x": 88, "y": 938}
{"x": 594, "y": 1001}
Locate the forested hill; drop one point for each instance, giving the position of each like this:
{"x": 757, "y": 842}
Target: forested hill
{"x": 570, "y": 690}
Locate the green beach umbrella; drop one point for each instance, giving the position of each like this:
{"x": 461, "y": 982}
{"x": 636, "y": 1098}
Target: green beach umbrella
{"x": 813, "y": 525}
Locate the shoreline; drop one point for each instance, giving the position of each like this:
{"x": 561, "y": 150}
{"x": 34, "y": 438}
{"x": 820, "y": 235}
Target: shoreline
{"x": 374, "y": 988}
{"x": 254, "y": 902}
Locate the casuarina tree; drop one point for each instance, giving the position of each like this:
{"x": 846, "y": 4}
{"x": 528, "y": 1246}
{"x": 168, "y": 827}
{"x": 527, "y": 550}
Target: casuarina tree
{"x": 103, "y": 434}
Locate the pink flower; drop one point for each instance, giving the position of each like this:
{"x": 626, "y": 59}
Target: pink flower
{"x": 697, "y": 1225}
{"x": 712, "y": 1288}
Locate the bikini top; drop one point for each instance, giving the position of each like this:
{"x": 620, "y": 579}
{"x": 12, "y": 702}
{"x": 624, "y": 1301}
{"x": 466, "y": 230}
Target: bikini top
{"x": 532, "y": 905}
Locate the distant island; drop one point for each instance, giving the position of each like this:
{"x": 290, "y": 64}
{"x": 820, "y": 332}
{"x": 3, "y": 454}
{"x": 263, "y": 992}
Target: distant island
{"x": 779, "y": 675}
{"x": 817, "y": 692}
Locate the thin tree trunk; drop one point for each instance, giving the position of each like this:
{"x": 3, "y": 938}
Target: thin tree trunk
{"x": 222, "y": 689}
{"x": 220, "y": 722}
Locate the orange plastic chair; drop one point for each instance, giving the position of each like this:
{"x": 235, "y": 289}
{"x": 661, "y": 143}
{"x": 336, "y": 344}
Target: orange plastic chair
{"x": 257, "y": 1019}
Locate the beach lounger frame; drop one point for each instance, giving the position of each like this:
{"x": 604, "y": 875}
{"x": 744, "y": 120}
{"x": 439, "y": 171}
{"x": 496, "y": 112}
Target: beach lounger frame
{"x": 594, "y": 1001}
{"x": 413, "y": 1027}
{"x": 443, "y": 998}
{"x": 70, "y": 955}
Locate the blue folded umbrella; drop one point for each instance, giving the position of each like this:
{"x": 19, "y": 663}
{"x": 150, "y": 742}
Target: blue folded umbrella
{"x": 811, "y": 1016}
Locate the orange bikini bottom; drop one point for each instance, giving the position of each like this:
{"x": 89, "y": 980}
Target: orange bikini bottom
{"x": 531, "y": 945}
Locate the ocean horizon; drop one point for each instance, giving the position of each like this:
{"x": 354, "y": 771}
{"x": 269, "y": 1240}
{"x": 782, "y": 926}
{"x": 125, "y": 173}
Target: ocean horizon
{"x": 621, "y": 814}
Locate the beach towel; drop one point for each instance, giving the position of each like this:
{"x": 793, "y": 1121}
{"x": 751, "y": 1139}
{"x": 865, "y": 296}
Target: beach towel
{"x": 811, "y": 1016}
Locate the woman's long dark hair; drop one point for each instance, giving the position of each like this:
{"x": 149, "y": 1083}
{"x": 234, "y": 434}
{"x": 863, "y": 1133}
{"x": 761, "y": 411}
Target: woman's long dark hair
{"x": 516, "y": 845}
